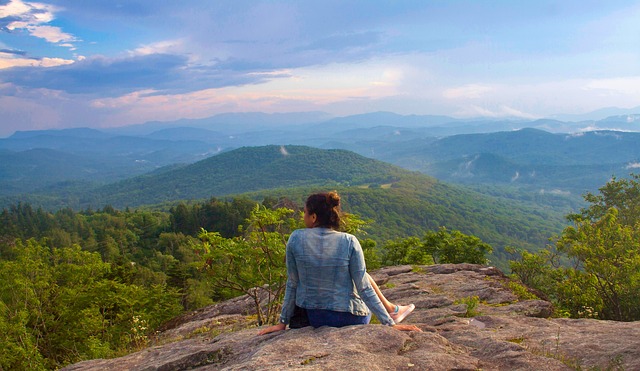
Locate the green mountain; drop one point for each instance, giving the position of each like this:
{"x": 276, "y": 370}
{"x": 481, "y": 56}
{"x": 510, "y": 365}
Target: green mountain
{"x": 34, "y": 160}
{"x": 531, "y": 159}
{"x": 28, "y": 171}
{"x": 400, "y": 203}
{"x": 248, "y": 169}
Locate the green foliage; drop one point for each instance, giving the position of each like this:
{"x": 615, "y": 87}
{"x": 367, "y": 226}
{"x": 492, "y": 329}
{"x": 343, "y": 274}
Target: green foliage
{"x": 594, "y": 268}
{"x": 247, "y": 169}
{"x": 436, "y": 247}
{"x": 455, "y": 247}
{"x": 215, "y": 215}
{"x": 607, "y": 255}
{"x": 408, "y": 204}
{"x": 533, "y": 269}
{"x": 371, "y": 257}
{"x": 62, "y": 307}
{"x": 621, "y": 194}
{"x": 405, "y": 251}
{"x": 254, "y": 263}
{"x": 416, "y": 204}
{"x": 471, "y": 302}
{"x": 521, "y": 291}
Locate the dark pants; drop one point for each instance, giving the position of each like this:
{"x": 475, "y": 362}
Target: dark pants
{"x": 323, "y": 317}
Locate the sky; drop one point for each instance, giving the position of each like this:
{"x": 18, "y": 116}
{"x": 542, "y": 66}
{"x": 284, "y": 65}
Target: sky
{"x": 97, "y": 63}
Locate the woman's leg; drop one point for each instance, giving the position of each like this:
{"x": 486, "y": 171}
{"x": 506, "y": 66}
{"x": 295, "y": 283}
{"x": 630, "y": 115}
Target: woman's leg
{"x": 397, "y": 312}
{"x": 386, "y": 303}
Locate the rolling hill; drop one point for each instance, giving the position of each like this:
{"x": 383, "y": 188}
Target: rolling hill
{"x": 494, "y": 153}
{"x": 248, "y": 169}
{"x": 532, "y": 159}
{"x": 400, "y": 202}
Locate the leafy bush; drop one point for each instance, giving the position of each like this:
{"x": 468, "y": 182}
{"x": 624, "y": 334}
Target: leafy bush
{"x": 594, "y": 268}
{"x": 440, "y": 247}
{"x": 253, "y": 263}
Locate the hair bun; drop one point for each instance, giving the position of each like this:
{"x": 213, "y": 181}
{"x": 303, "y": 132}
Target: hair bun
{"x": 333, "y": 199}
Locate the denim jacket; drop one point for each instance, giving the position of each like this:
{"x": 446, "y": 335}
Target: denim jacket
{"x": 326, "y": 270}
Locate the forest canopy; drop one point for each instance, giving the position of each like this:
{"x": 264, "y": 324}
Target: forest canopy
{"x": 97, "y": 283}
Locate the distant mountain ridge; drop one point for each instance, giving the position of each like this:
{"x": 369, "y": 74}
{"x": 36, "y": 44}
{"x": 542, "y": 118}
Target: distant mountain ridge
{"x": 570, "y": 163}
{"x": 401, "y": 202}
{"x": 372, "y": 159}
{"x": 250, "y": 169}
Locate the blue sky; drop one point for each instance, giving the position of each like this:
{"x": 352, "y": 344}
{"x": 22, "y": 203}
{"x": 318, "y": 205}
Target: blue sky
{"x": 99, "y": 63}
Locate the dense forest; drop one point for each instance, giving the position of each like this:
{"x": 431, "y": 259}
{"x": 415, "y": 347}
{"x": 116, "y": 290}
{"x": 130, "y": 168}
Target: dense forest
{"x": 81, "y": 285}
{"x": 97, "y": 283}
{"x": 400, "y": 202}
{"x": 88, "y": 282}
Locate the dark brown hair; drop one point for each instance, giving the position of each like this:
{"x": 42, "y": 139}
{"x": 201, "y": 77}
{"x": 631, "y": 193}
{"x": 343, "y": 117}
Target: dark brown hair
{"x": 326, "y": 206}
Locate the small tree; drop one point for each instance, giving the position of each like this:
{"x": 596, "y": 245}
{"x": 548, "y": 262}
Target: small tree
{"x": 600, "y": 274}
{"x": 254, "y": 263}
{"x": 607, "y": 253}
{"x": 369, "y": 250}
{"x": 455, "y": 247}
{"x": 405, "y": 251}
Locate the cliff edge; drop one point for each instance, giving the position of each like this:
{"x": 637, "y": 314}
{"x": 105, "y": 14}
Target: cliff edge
{"x": 473, "y": 317}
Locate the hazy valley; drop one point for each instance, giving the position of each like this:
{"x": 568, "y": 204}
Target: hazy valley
{"x": 548, "y": 157}
{"x": 116, "y": 221}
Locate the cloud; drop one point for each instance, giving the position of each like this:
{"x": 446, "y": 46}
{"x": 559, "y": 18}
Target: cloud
{"x": 614, "y": 86}
{"x": 161, "y": 47}
{"x": 52, "y": 34}
{"x": 33, "y": 17}
{"x": 150, "y": 60}
{"x": 11, "y": 51}
{"x": 471, "y": 91}
{"x": 13, "y": 58}
{"x": 501, "y": 111}
{"x": 516, "y": 176}
{"x": 344, "y": 42}
{"x": 117, "y": 76}
{"x": 555, "y": 192}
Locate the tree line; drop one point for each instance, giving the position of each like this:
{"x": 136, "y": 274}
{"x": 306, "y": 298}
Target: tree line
{"x": 97, "y": 283}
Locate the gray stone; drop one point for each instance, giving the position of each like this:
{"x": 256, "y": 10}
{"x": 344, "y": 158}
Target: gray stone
{"x": 505, "y": 334}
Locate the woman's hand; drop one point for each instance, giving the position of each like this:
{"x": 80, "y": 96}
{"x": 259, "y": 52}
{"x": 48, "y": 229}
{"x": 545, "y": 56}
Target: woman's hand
{"x": 274, "y": 328}
{"x": 407, "y": 328}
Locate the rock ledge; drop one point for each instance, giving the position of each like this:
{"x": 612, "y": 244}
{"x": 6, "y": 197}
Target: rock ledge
{"x": 506, "y": 333}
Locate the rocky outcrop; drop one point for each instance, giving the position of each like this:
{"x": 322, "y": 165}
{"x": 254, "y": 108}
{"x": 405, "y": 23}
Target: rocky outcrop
{"x": 505, "y": 331}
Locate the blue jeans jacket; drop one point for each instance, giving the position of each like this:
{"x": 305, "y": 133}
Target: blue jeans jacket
{"x": 326, "y": 270}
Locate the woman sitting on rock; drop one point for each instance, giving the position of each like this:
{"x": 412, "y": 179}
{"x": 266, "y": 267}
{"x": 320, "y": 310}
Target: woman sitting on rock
{"x": 327, "y": 274}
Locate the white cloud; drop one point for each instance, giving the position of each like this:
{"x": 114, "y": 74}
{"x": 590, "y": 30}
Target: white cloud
{"x": 614, "y": 86}
{"x": 14, "y": 8}
{"x": 8, "y": 60}
{"x": 577, "y": 134}
{"x": 34, "y": 17}
{"x": 509, "y": 111}
{"x": 556, "y": 192}
{"x": 160, "y": 47}
{"x": 52, "y": 34}
{"x": 633, "y": 165}
{"x": 501, "y": 111}
{"x": 471, "y": 91}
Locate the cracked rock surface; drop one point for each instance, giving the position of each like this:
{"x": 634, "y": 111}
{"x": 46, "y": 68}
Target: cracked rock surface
{"x": 502, "y": 333}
